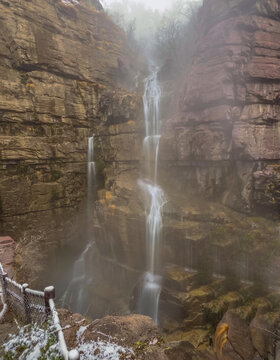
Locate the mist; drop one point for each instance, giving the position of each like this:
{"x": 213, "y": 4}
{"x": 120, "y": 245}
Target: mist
{"x": 139, "y": 180}
{"x": 160, "y": 5}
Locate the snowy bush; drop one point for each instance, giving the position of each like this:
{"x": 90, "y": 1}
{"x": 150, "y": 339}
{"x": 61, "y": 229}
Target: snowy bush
{"x": 32, "y": 343}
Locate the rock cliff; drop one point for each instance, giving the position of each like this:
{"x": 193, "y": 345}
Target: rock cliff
{"x": 205, "y": 171}
{"x": 223, "y": 146}
{"x": 219, "y": 168}
{"x": 227, "y": 128}
{"x": 66, "y": 73}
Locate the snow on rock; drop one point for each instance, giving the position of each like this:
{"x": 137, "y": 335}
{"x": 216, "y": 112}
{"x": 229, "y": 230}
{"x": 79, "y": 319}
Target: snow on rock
{"x": 71, "y": 2}
{"x": 100, "y": 349}
{"x": 31, "y": 343}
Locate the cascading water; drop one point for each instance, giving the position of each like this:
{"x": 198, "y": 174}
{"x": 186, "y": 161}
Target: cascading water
{"x": 91, "y": 178}
{"x": 153, "y": 196}
{"x": 151, "y": 101}
{"x": 154, "y": 203}
{"x": 76, "y": 291}
{"x": 218, "y": 267}
{"x": 189, "y": 256}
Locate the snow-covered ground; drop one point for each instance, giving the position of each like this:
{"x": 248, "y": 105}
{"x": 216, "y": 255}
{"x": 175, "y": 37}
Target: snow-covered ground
{"x": 34, "y": 343}
{"x": 101, "y": 350}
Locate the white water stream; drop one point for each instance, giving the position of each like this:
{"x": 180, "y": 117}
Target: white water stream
{"x": 153, "y": 196}
{"x": 76, "y": 292}
{"x": 91, "y": 177}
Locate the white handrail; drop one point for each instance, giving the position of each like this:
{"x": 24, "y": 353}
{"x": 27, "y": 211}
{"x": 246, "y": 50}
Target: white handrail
{"x": 58, "y": 328}
{"x": 5, "y": 306}
{"x": 49, "y": 301}
{"x": 71, "y": 355}
{"x": 35, "y": 292}
{"x": 14, "y": 283}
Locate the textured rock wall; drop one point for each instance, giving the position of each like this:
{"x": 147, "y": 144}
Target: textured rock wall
{"x": 66, "y": 72}
{"x": 227, "y": 131}
{"x": 221, "y": 152}
{"x": 204, "y": 166}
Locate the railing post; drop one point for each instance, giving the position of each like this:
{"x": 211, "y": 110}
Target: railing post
{"x": 74, "y": 355}
{"x": 49, "y": 293}
{"x": 26, "y": 303}
{"x": 3, "y": 277}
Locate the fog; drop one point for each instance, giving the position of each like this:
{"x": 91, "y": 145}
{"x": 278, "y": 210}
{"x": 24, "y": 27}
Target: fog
{"x": 160, "y": 5}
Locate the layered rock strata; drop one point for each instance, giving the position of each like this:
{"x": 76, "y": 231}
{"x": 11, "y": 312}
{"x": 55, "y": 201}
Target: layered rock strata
{"x": 207, "y": 173}
{"x": 74, "y": 79}
{"x": 226, "y": 138}
{"x": 66, "y": 73}
{"x": 223, "y": 148}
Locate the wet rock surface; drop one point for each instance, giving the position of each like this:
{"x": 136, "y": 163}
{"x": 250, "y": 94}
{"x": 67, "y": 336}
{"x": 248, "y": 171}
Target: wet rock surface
{"x": 227, "y": 131}
{"x": 136, "y": 332}
{"x": 70, "y": 74}
{"x": 221, "y": 320}
{"x": 66, "y": 73}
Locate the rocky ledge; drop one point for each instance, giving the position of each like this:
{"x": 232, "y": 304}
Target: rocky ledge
{"x": 136, "y": 336}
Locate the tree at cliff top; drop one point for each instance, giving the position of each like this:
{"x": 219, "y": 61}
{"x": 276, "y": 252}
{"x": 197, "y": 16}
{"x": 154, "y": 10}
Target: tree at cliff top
{"x": 168, "y": 36}
{"x": 139, "y": 22}
{"x": 175, "y": 38}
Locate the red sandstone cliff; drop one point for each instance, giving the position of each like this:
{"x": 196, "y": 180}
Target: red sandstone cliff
{"x": 227, "y": 133}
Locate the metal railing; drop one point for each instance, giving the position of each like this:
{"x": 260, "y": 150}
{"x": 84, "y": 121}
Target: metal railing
{"x": 32, "y": 306}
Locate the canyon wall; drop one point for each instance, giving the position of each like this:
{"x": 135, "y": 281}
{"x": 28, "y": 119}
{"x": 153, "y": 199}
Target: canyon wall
{"x": 226, "y": 140}
{"x": 219, "y": 155}
{"x": 219, "y": 179}
{"x": 66, "y": 73}
{"x": 223, "y": 149}
{"x": 219, "y": 169}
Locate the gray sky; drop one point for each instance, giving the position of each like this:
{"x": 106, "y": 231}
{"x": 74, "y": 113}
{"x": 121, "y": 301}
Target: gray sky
{"x": 154, "y": 4}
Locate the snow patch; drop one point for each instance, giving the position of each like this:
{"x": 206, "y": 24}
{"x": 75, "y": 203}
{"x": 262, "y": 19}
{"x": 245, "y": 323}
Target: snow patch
{"x": 71, "y": 2}
{"x": 81, "y": 331}
{"x": 101, "y": 350}
{"x": 31, "y": 342}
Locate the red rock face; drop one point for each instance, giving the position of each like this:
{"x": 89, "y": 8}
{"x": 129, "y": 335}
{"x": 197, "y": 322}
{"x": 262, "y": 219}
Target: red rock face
{"x": 230, "y": 107}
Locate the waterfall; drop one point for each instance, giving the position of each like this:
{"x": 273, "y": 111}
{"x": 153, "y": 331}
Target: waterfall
{"x": 155, "y": 201}
{"x": 153, "y": 196}
{"x": 91, "y": 177}
{"x": 151, "y": 101}
{"x": 245, "y": 275}
{"x": 76, "y": 293}
{"x": 218, "y": 266}
{"x": 190, "y": 261}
